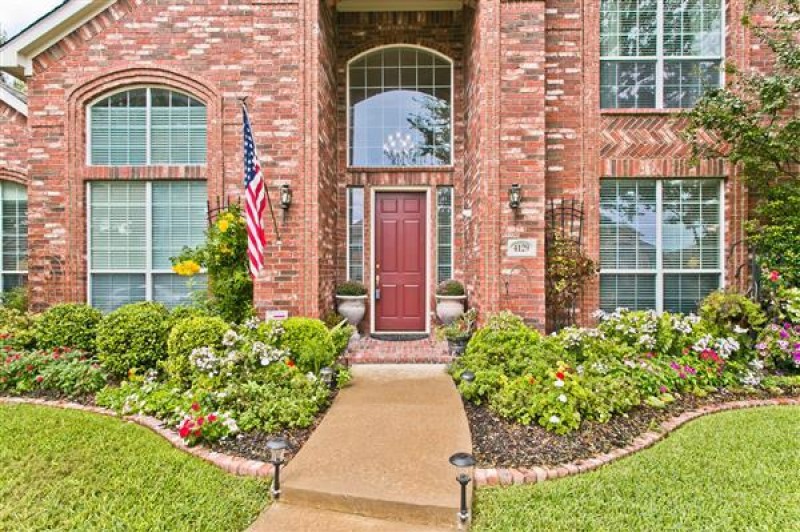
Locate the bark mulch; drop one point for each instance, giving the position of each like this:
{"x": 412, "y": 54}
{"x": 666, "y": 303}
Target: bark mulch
{"x": 498, "y": 442}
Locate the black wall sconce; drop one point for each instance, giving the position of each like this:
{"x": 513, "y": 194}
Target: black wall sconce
{"x": 515, "y": 196}
{"x": 286, "y": 197}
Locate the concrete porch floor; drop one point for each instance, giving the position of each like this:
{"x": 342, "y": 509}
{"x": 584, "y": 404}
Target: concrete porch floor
{"x": 379, "y": 459}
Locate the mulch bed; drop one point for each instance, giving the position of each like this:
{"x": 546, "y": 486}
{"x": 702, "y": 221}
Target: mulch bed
{"x": 498, "y": 442}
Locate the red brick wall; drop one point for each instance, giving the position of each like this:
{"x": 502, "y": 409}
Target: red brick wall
{"x": 13, "y": 145}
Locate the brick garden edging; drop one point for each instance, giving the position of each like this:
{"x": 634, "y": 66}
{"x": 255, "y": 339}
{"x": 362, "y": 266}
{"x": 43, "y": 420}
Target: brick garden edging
{"x": 532, "y": 475}
{"x": 230, "y": 464}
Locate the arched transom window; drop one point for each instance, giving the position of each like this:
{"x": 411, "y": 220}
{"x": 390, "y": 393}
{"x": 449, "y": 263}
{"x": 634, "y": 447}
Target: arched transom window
{"x": 400, "y": 108}
{"x": 147, "y": 126}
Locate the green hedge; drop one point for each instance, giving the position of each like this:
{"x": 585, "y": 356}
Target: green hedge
{"x": 133, "y": 337}
{"x": 68, "y": 325}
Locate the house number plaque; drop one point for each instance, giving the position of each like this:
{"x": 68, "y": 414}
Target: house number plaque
{"x": 521, "y": 247}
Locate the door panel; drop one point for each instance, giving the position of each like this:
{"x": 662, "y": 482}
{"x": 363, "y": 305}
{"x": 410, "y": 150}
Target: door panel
{"x": 400, "y": 221}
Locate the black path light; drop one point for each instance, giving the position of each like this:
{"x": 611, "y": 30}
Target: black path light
{"x": 464, "y": 462}
{"x": 277, "y": 451}
{"x": 468, "y": 376}
{"x": 327, "y": 374}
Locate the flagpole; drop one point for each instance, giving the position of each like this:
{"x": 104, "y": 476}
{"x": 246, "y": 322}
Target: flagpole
{"x": 278, "y": 242}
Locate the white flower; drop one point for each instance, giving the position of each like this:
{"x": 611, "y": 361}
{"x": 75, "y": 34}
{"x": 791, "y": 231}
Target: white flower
{"x": 750, "y": 379}
{"x": 251, "y": 323}
{"x": 555, "y": 420}
{"x": 558, "y": 383}
{"x": 311, "y": 377}
{"x": 756, "y": 364}
{"x": 739, "y": 330}
{"x": 230, "y": 338}
{"x": 562, "y": 398}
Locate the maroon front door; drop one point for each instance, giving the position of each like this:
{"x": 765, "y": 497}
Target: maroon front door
{"x": 400, "y": 261}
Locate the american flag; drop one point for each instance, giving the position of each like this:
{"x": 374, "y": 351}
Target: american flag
{"x": 255, "y": 199}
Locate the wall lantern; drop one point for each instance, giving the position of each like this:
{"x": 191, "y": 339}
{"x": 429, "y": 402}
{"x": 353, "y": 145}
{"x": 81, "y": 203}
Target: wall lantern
{"x": 514, "y": 196}
{"x": 277, "y": 452}
{"x": 464, "y": 462}
{"x": 286, "y": 197}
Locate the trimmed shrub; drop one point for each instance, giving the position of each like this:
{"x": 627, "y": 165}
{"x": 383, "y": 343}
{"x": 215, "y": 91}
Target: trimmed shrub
{"x": 729, "y": 313}
{"x": 309, "y": 343}
{"x": 450, "y": 288}
{"x": 351, "y": 288}
{"x": 17, "y": 328}
{"x": 68, "y": 325}
{"x": 133, "y": 337}
{"x": 190, "y": 334}
{"x": 183, "y": 312}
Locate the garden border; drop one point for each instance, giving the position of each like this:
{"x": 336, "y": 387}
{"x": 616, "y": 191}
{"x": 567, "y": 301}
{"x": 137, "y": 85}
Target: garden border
{"x": 533, "y": 475}
{"x": 228, "y": 463}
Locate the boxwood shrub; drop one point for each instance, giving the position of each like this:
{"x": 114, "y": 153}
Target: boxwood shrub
{"x": 68, "y": 325}
{"x": 309, "y": 343}
{"x": 133, "y": 337}
{"x": 189, "y": 334}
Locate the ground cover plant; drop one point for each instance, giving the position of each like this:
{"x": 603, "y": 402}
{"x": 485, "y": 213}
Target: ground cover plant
{"x": 69, "y": 470}
{"x": 730, "y": 471}
{"x": 631, "y": 359}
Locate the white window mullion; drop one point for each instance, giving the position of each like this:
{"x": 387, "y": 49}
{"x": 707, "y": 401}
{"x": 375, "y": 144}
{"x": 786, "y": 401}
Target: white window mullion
{"x": 2, "y": 273}
{"x": 148, "y": 128}
{"x": 149, "y": 241}
{"x": 660, "y": 54}
{"x": 659, "y": 248}
{"x": 89, "y": 242}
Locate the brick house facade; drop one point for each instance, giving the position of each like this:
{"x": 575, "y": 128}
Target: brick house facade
{"x": 525, "y": 105}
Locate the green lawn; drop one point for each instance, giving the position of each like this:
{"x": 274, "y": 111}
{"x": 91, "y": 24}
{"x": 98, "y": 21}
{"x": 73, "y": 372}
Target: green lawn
{"x": 731, "y": 471}
{"x": 69, "y": 470}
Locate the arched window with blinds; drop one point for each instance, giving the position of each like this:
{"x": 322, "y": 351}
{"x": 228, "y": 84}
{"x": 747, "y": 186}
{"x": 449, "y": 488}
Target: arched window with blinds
{"x": 147, "y": 126}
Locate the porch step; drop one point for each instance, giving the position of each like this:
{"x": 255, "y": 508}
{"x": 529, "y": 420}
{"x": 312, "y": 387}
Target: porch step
{"x": 382, "y": 450}
{"x": 376, "y": 351}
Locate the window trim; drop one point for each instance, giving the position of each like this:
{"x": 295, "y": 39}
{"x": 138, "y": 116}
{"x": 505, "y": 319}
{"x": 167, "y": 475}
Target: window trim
{"x": 148, "y": 271}
{"x": 3, "y": 271}
{"x": 148, "y": 128}
{"x": 659, "y": 271}
{"x": 348, "y": 259}
{"x": 451, "y": 163}
{"x": 660, "y": 59}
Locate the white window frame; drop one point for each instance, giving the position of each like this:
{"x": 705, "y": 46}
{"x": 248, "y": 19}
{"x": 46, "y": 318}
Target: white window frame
{"x": 148, "y": 128}
{"x": 149, "y": 271}
{"x": 450, "y": 163}
{"x": 659, "y": 271}
{"x": 348, "y": 258}
{"x": 4, "y": 272}
{"x": 660, "y": 58}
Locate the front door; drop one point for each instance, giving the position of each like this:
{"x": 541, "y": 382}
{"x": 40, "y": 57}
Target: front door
{"x": 400, "y": 261}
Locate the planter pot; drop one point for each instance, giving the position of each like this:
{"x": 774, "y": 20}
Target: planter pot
{"x": 458, "y": 345}
{"x": 353, "y": 308}
{"x": 449, "y": 308}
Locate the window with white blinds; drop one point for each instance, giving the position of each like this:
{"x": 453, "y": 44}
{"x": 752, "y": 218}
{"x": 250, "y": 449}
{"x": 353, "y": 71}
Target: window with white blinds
{"x": 13, "y": 235}
{"x": 134, "y": 229}
{"x": 147, "y": 126}
{"x": 659, "y": 53}
{"x": 355, "y": 234}
{"x": 444, "y": 234}
{"x": 660, "y": 243}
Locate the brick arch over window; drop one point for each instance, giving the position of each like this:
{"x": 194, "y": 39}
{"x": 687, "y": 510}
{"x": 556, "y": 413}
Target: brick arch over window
{"x": 376, "y": 44}
{"x": 88, "y": 91}
{"x": 14, "y": 176}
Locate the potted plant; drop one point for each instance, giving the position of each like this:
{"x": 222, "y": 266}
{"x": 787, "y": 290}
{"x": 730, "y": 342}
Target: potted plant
{"x": 351, "y": 298}
{"x": 450, "y": 297}
{"x": 459, "y": 332}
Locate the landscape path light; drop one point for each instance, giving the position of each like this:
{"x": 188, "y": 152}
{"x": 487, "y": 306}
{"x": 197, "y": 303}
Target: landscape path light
{"x": 277, "y": 457}
{"x": 464, "y": 462}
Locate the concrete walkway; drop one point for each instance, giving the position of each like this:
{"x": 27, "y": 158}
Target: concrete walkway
{"x": 379, "y": 459}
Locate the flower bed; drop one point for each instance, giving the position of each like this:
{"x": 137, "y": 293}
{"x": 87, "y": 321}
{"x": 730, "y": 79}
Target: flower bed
{"x": 533, "y": 399}
{"x": 228, "y": 386}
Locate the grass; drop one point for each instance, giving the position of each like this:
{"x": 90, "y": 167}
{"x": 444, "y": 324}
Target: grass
{"x": 69, "y": 470}
{"x": 729, "y": 471}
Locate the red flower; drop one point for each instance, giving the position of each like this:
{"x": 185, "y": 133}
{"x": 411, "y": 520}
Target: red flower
{"x": 39, "y": 378}
{"x": 560, "y": 375}
{"x": 774, "y": 275}
{"x": 290, "y": 363}
{"x": 195, "y": 407}
{"x": 183, "y": 431}
{"x": 198, "y": 433}
{"x": 200, "y": 421}
{"x": 212, "y": 418}
{"x": 28, "y": 368}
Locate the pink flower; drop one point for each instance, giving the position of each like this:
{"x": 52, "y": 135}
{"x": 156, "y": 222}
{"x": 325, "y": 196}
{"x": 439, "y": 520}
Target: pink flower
{"x": 774, "y": 276}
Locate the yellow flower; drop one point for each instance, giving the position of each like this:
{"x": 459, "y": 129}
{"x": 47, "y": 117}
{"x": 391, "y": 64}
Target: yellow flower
{"x": 186, "y": 268}
{"x": 223, "y": 225}
{"x": 224, "y": 248}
